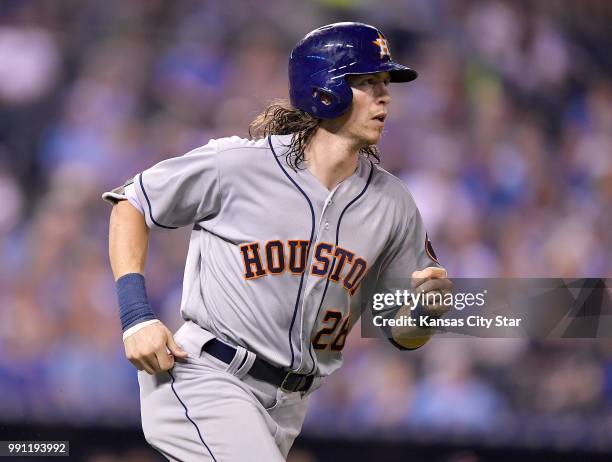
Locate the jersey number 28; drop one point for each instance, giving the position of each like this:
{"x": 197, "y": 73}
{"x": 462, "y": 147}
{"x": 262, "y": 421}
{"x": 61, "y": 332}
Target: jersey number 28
{"x": 327, "y": 337}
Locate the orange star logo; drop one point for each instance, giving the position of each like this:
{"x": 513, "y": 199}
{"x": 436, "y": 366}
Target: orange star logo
{"x": 382, "y": 43}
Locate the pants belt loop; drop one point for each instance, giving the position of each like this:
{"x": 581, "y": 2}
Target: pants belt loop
{"x": 237, "y": 361}
{"x": 246, "y": 362}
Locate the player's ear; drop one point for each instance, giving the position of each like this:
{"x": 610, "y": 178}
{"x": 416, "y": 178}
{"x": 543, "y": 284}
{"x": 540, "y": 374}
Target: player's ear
{"x": 323, "y": 96}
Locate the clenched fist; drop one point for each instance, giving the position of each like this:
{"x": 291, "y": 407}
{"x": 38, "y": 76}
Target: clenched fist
{"x": 432, "y": 280}
{"x": 152, "y": 349}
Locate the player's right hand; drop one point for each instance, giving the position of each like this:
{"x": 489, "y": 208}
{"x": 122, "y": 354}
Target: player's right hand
{"x": 152, "y": 349}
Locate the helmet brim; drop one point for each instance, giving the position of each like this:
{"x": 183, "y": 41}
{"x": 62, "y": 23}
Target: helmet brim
{"x": 401, "y": 73}
{"x": 398, "y": 72}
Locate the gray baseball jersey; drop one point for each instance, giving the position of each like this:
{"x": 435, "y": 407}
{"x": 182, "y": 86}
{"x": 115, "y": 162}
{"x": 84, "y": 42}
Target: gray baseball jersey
{"x": 277, "y": 263}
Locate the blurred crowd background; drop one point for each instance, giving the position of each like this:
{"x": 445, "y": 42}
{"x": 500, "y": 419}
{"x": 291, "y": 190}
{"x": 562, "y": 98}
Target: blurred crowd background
{"x": 505, "y": 141}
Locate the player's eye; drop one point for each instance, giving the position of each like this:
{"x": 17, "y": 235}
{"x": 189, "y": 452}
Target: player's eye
{"x": 369, "y": 82}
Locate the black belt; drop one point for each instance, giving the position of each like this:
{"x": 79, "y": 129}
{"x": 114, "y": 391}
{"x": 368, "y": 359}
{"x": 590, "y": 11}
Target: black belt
{"x": 262, "y": 370}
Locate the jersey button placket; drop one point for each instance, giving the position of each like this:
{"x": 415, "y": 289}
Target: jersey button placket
{"x": 328, "y": 205}
{"x": 316, "y": 284}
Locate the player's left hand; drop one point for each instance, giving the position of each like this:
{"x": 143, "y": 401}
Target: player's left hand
{"x": 432, "y": 279}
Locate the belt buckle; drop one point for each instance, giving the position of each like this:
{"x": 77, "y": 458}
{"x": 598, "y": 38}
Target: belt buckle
{"x": 286, "y": 387}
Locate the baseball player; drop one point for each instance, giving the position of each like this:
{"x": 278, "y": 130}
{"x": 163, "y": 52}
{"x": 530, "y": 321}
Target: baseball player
{"x": 292, "y": 231}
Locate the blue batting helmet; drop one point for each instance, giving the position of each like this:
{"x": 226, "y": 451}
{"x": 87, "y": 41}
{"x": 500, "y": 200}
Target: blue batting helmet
{"x": 320, "y": 62}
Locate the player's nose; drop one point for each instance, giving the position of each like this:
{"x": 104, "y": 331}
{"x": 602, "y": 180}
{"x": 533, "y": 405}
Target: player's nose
{"x": 383, "y": 96}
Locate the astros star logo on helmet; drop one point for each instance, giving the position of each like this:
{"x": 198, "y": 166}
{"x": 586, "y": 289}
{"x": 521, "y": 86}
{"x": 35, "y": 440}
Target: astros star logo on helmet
{"x": 383, "y": 45}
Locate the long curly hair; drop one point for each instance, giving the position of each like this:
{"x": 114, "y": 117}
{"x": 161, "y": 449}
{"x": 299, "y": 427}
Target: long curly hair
{"x": 280, "y": 118}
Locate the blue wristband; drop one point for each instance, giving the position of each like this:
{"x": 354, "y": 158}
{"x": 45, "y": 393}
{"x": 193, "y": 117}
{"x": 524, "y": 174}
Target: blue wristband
{"x": 133, "y": 302}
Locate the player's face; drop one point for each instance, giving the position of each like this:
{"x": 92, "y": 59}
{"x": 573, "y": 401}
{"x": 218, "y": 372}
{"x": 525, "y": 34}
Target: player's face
{"x": 363, "y": 123}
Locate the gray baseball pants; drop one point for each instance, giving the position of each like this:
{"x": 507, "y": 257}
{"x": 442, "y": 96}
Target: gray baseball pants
{"x": 206, "y": 410}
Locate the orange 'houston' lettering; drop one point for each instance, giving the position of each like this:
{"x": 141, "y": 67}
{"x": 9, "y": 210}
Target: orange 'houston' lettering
{"x": 355, "y": 275}
{"x": 342, "y": 255}
{"x": 322, "y": 256}
{"x": 275, "y": 257}
{"x": 252, "y": 261}
{"x": 297, "y": 266}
